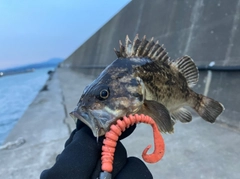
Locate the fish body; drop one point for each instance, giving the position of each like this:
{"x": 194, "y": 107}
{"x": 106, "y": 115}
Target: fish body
{"x": 144, "y": 80}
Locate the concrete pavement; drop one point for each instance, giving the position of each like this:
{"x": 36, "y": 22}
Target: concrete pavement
{"x": 196, "y": 150}
{"x": 44, "y": 129}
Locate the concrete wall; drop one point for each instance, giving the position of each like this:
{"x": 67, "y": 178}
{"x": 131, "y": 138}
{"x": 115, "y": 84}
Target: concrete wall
{"x": 205, "y": 30}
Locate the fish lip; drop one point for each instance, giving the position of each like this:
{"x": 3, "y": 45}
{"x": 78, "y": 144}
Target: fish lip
{"x": 75, "y": 115}
{"x": 99, "y": 129}
{"x": 88, "y": 118}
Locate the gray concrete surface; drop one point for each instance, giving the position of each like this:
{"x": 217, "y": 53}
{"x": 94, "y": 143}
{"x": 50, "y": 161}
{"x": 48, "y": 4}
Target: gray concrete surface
{"x": 205, "y": 30}
{"x": 72, "y": 84}
{"x": 224, "y": 87}
{"x": 44, "y": 130}
{"x": 195, "y": 150}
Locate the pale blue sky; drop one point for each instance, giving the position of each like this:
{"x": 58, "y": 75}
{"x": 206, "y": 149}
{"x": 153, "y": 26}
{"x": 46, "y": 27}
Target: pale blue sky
{"x": 33, "y": 31}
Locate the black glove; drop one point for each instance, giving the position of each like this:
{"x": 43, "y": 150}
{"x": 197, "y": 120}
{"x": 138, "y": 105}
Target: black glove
{"x": 81, "y": 158}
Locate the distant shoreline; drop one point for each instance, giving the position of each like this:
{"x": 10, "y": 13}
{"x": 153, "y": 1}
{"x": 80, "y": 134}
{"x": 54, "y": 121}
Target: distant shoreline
{"x": 2, "y": 74}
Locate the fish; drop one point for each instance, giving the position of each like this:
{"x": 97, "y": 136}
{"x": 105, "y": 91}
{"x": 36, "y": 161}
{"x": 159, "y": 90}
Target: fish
{"x": 144, "y": 80}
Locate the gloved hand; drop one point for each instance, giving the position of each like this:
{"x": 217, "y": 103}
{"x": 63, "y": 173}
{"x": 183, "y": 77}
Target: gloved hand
{"x": 81, "y": 158}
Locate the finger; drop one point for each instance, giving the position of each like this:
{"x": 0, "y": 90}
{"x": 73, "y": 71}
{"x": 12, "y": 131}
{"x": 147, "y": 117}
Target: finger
{"x": 78, "y": 159}
{"x": 70, "y": 138}
{"x": 134, "y": 169}
{"x": 97, "y": 170}
{"x": 127, "y": 132}
{"x": 79, "y": 125}
{"x": 120, "y": 159}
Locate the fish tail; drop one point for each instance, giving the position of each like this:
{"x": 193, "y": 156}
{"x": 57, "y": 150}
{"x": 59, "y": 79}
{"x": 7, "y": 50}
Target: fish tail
{"x": 208, "y": 108}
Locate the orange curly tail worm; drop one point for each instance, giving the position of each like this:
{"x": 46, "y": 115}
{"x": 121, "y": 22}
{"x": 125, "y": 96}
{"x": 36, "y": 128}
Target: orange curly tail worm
{"x": 116, "y": 130}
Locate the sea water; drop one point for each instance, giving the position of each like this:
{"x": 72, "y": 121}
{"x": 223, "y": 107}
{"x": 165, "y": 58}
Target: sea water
{"x": 16, "y": 94}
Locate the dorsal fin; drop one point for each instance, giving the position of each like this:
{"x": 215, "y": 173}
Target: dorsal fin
{"x": 187, "y": 67}
{"x": 142, "y": 48}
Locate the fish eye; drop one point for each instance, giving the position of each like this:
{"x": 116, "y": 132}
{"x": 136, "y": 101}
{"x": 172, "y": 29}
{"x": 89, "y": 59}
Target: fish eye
{"x": 104, "y": 94}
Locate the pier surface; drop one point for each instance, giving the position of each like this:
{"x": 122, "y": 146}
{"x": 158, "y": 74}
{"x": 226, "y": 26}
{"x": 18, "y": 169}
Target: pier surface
{"x": 195, "y": 150}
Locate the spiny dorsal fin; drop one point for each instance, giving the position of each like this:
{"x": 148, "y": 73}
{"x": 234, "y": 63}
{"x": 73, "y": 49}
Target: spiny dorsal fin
{"x": 188, "y": 69}
{"x": 182, "y": 115}
{"x": 142, "y": 48}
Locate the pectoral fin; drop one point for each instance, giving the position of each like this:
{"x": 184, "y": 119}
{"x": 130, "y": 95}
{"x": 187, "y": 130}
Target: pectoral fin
{"x": 159, "y": 113}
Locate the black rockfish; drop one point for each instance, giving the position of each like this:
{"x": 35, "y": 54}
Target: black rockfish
{"x": 143, "y": 80}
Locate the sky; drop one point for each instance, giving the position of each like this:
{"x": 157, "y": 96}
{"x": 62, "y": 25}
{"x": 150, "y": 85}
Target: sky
{"x": 34, "y": 31}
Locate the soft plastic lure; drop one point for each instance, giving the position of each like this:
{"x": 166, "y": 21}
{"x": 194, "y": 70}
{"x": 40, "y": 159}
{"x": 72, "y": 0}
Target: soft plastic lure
{"x": 116, "y": 130}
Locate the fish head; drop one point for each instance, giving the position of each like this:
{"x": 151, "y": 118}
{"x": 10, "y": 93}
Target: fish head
{"x": 106, "y": 100}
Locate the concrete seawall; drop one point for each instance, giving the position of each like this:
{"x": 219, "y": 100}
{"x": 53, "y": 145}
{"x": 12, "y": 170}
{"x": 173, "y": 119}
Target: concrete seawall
{"x": 205, "y": 30}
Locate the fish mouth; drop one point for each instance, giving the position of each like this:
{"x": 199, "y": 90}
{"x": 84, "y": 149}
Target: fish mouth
{"x": 95, "y": 124}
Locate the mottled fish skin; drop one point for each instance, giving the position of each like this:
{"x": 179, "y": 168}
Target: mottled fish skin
{"x": 143, "y": 80}
{"x": 164, "y": 85}
{"x": 126, "y": 95}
